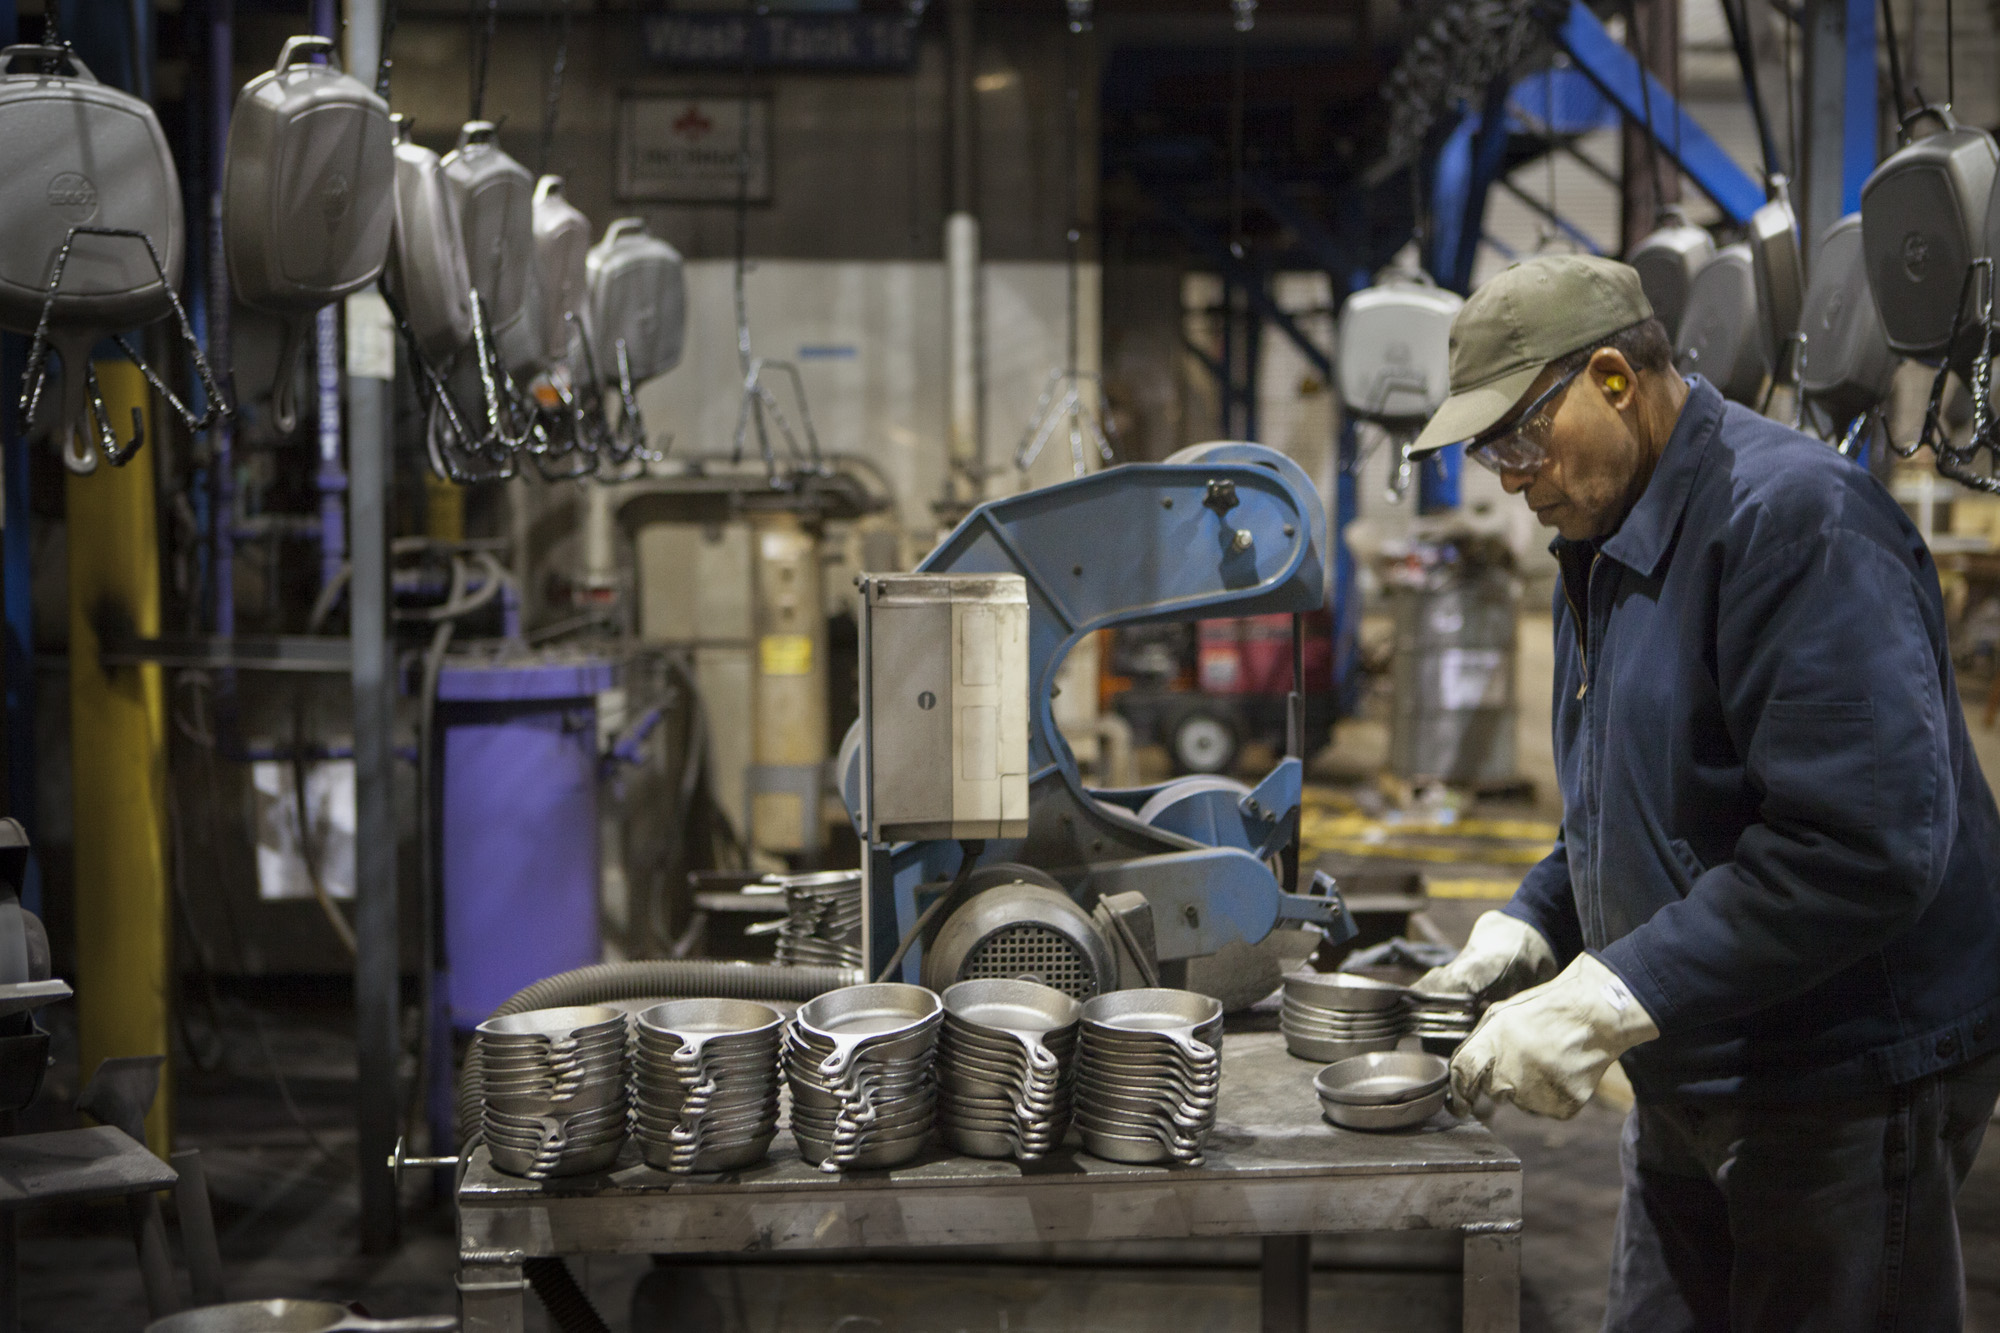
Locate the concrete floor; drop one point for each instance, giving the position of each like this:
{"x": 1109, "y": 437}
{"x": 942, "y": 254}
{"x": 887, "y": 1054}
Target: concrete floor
{"x": 285, "y": 1207}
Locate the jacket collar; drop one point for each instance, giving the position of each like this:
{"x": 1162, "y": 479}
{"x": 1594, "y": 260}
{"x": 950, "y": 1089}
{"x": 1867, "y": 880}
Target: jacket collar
{"x": 1641, "y": 542}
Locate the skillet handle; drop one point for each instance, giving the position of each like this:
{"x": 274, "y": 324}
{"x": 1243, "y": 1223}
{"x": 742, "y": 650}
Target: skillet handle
{"x": 548, "y": 185}
{"x": 40, "y": 52}
{"x": 477, "y": 131}
{"x": 423, "y": 1323}
{"x": 297, "y": 48}
{"x": 621, "y": 226}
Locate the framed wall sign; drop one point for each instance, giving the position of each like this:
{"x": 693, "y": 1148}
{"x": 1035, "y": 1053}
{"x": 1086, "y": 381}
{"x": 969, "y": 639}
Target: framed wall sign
{"x": 684, "y": 149}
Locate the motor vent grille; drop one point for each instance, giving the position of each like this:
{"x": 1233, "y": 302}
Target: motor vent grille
{"x": 1036, "y": 953}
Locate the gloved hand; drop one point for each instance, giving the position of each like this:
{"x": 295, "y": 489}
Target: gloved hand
{"x": 1503, "y": 955}
{"x": 1545, "y": 1049}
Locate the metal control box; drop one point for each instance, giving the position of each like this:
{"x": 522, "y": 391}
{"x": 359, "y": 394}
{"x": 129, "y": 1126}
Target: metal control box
{"x": 944, "y": 706}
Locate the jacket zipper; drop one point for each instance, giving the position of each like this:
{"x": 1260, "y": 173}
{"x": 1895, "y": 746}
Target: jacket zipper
{"x": 1582, "y": 626}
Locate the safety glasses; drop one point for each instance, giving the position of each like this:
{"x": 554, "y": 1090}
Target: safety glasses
{"x": 1514, "y": 447}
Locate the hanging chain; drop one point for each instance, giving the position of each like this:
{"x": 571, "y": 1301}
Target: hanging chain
{"x": 482, "y": 54}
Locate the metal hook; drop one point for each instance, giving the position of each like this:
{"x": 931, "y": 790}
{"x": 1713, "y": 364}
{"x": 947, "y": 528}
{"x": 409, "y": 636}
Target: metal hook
{"x": 35, "y": 376}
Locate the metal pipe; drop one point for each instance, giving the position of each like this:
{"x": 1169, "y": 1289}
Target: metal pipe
{"x": 966, "y": 443}
{"x": 331, "y": 479}
{"x": 378, "y": 1103}
{"x": 222, "y": 97}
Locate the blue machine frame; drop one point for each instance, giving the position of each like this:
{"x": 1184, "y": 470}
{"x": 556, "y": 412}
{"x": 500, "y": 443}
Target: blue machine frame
{"x": 1225, "y": 529}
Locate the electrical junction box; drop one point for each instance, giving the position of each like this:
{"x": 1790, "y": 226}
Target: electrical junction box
{"x": 944, "y": 706}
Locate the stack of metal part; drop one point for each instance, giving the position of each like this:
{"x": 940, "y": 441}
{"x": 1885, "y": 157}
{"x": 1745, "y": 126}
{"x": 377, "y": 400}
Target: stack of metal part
{"x": 1333, "y": 1015}
{"x": 1149, "y": 1070}
{"x": 554, "y": 1090}
{"x": 860, "y": 1062}
{"x": 822, "y": 925}
{"x": 1385, "y": 1090}
{"x": 1006, "y": 1068}
{"x": 705, "y": 1084}
{"x": 1443, "y": 1019}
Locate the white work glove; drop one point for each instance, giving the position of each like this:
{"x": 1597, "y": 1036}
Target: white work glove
{"x": 1545, "y": 1049}
{"x": 1503, "y": 955}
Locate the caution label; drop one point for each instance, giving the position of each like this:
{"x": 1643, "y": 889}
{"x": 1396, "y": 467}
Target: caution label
{"x": 786, "y": 654}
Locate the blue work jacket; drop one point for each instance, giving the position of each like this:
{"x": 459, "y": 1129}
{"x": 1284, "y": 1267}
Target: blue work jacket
{"x": 1774, "y": 828}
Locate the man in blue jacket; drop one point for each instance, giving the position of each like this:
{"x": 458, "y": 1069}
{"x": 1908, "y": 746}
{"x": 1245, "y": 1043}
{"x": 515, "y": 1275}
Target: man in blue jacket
{"x": 1776, "y": 897}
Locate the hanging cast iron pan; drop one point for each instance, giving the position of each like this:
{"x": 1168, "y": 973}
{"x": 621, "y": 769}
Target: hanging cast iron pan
{"x": 1773, "y": 238}
{"x": 638, "y": 296}
{"x": 76, "y": 153}
{"x": 1722, "y": 334}
{"x": 562, "y": 257}
{"x": 495, "y": 197}
{"x": 1924, "y": 219}
{"x": 426, "y": 272}
{"x": 1848, "y": 366}
{"x": 308, "y": 196}
{"x": 1667, "y": 261}
{"x": 1393, "y": 362}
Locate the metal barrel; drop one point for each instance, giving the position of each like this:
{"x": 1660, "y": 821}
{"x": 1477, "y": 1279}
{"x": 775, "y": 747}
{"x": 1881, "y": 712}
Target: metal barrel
{"x": 1453, "y": 713}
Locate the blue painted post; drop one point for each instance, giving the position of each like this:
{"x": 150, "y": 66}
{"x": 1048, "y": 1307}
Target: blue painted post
{"x": 1860, "y": 120}
{"x": 1346, "y": 596}
{"x": 1616, "y": 73}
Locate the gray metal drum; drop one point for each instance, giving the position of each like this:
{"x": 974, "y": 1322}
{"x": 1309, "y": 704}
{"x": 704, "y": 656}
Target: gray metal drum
{"x": 1923, "y": 221}
{"x": 638, "y": 296}
{"x": 1667, "y": 261}
{"x": 76, "y": 153}
{"x": 1848, "y": 366}
{"x": 1773, "y": 238}
{"x": 308, "y": 196}
{"x": 1454, "y": 710}
{"x": 1723, "y": 332}
{"x": 1394, "y": 358}
{"x": 562, "y": 252}
{"x": 495, "y": 198}
{"x": 426, "y": 271}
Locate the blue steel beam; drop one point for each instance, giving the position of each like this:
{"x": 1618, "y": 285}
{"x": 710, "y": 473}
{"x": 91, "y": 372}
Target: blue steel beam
{"x": 1860, "y": 112}
{"x": 1612, "y": 68}
{"x": 1236, "y": 271}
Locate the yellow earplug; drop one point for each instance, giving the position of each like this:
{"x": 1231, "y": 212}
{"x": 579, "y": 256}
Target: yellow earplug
{"x": 1615, "y": 383}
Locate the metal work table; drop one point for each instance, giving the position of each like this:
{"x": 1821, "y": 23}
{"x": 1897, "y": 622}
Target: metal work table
{"x": 1274, "y": 1169}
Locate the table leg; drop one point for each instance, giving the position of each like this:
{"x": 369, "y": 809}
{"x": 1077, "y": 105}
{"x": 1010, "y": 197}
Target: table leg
{"x": 10, "y": 1272}
{"x": 492, "y": 1297}
{"x": 1493, "y": 1278}
{"x": 156, "y": 1266}
{"x": 1287, "y": 1283}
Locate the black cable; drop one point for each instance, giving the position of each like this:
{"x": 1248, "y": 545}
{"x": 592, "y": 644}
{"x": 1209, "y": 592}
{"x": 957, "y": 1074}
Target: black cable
{"x": 565, "y": 1301}
{"x": 383, "y": 62}
{"x": 1238, "y": 114}
{"x": 1632, "y": 27}
{"x": 482, "y": 54}
{"x": 1895, "y": 61}
{"x": 1746, "y": 59}
{"x": 552, "y": 102}
{"x": 969, "y": 851}
{"x": 1950, "y": 64}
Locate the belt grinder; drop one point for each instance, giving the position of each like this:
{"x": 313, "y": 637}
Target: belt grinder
{"x": 1093, "y": 889}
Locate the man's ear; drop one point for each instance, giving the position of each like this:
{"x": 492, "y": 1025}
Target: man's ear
{"x": 1614, "y": 377}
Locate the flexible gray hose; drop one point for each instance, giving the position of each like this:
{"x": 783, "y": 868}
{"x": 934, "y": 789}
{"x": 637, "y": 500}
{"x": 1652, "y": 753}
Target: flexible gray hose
{"x": 667, "y": 978}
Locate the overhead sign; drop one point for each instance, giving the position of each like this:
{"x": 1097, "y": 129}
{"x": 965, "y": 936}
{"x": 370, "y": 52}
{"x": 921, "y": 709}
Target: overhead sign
{"x": 781, "y": 41}
{"x": 687, "y": 150}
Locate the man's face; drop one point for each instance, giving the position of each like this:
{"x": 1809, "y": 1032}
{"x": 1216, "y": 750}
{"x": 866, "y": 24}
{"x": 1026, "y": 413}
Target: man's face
{"x": 1595, "y": 469}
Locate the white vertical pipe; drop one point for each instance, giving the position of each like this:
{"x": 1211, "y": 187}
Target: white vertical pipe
{"x": 961, "y": 258}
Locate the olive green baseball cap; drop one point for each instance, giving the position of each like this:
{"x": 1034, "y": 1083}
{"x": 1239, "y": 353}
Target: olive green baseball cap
{"x": 1519, "y": 321}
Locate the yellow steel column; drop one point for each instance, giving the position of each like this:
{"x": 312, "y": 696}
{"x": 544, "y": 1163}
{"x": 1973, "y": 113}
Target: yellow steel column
{"x": 118, "y": 758}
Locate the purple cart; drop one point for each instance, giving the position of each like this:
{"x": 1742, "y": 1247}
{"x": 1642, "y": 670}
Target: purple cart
{"x": 518, "y": 740}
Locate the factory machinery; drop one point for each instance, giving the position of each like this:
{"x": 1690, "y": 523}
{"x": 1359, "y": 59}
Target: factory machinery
{"x": 1088, "y": 889}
